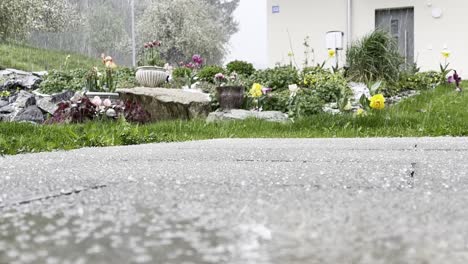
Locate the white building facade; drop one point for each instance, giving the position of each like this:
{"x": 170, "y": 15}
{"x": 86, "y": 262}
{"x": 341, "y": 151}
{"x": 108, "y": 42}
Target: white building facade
{"x": 423, "y": 28}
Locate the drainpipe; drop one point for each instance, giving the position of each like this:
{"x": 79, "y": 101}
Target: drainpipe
{"x": 349, "y": 23}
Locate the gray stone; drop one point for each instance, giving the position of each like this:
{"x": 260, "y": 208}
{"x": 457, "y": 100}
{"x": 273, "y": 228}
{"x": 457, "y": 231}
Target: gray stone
{"x": 46, "y": 105}
{"x": 63, "y": 96}
{"x": 111, "y": 113}
{"x": 169, "y": 104}
{"x": 239, "y": 114}
{"x": 32, "y": 113}
{"x": 7, "y": 109}
{"x": 3, "y": 103}
{"x": 25, "y": 99}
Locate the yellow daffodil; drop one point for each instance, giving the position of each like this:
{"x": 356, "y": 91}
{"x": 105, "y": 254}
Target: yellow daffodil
{"x": 377, "y": 102}
{"x": 445, "y": 53}
{"x": 331, "y": 53}
{"x": 256, "y": 90}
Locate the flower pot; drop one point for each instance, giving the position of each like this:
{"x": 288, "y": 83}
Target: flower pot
{"x": 151, "y": 76}
{"x": 230, "y": 97}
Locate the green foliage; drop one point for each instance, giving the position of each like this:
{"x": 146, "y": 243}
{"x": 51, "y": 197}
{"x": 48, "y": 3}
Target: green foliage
{"x": 188, "y": 27}
{"x": 419, "y": 81}
{"x": 34, "y": 59}
{"x": 181, "y": 72}
{"x": 75, "y": 80}
{"x": 305, "y": 103}
{"x": 208, "y": 73}
{"x": 328, "y": 86}
{"x": 433, "y": 113}
{"x": 19, "y": 17}
{"x": 374, "y": 57}
{"x": 240, "y": 67}
{"x": 278, "y": 78}
{"x": 57, "y": 81}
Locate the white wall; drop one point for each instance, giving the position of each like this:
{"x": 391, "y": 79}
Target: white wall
{"x": 302, "y": 18}
{"x": 314, "y": 18}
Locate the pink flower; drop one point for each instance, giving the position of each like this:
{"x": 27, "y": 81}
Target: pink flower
{"x": 197, "y": 59}
{"x": 96, "y": 101}
{"x": 107, "y": 103}
{"x": 266, "y": 90}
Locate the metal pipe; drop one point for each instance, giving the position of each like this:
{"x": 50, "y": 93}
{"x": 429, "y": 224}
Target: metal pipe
{"x": 349, "y": 23}
{"x": 133, "y": 35}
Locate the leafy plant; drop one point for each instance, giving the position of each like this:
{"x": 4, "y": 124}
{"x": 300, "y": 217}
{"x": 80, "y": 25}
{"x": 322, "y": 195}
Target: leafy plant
{"x": 134, "y": 112}
{"x": 57, "y": 81}
{"x": 329, "y": 87}
{"x": 74, "y": 112}
{"x": 208, "y": 73}
{"x": 374, "y": 57}
{"x": 277, "y": 78}
{"x": 181, "y": 72}
{"x": 240, "y": 67}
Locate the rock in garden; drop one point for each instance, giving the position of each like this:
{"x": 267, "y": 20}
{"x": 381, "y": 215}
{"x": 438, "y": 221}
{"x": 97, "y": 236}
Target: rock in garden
{"x": 7, "y": 109}
{"x": 46, "y": 105}
{"x": 32, "y": 113}
{"x": 239, "y": 114}
{"x": 111, "y": 113}
{"x": 49, "y": 104}
{"x": 3, "y": 103}
{"x": 24, "y": 99}
{"x": 169, "y": 104}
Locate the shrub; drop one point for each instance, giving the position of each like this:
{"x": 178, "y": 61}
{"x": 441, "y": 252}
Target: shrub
{"x": 208, "y": 73}
{"x": 181, "y": 72}
{"x": 328, "y": 86}
{"x": 240, "y": 67}
{"x": 305, "y": 103}
{"x": 374, "y": 57}
{"x": 75, "y": 80}
{"x": 57, "y": 81}
{"x": 277, "y": 78}
{"x": 419, "y": 81}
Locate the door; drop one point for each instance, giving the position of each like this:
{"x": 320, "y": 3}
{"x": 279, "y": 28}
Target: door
{"x": 400, "y": 24}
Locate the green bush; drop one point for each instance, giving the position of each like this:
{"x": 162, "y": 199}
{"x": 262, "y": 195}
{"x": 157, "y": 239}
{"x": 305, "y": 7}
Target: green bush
{"x": 181, "y": 72}
{"x": 278, "y": 78}
{"x": 374, "y": 57}
{"x": 328, "y": 86}
{"x": 208, "y": 73}
{"x": 240, "y": 67}
{"x": 75, "y": 80}
{"x": 419, "y": 81}
{"x": 57, "y": 81}
{"x": 305, "y": 103}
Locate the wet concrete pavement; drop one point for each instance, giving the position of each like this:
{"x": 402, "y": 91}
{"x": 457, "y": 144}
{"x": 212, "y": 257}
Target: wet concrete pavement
{"x": 239, "y": 201}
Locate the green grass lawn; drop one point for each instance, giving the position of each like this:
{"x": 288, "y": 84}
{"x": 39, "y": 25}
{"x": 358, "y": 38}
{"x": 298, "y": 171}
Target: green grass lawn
{"x": 441, "y": 112}
{"x": 33, "y": 59}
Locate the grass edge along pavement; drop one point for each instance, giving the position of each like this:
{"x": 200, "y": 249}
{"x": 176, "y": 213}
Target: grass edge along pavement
{"x": 439, "y": 112}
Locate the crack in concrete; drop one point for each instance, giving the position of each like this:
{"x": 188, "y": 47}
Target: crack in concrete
{"x": 53, "y": 196}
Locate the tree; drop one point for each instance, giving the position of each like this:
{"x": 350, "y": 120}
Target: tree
{"x": 188, "y": 27}
{"x": 19, "y": 17}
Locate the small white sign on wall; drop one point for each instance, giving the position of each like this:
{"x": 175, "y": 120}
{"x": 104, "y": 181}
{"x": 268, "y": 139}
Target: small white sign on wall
{"x": 275, "y": 9}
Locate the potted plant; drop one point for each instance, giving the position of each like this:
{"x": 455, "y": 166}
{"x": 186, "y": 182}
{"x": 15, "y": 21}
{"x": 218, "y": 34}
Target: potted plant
{"x": 151, "y": 72}
{"x": 230, "y": 91}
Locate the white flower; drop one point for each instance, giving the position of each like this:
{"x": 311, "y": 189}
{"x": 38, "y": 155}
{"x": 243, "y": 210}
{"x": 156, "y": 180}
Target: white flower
{"x": 293, "y": 89}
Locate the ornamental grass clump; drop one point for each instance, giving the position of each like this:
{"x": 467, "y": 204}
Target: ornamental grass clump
{"x": 374, "y": 57}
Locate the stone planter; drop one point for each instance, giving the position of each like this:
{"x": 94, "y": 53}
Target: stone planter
{"x": 151, "y": 76}
{"x": 230, "y": 97}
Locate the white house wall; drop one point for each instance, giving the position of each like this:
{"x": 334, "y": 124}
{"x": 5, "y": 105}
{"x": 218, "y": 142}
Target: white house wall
{"x": 313, "y": 18}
